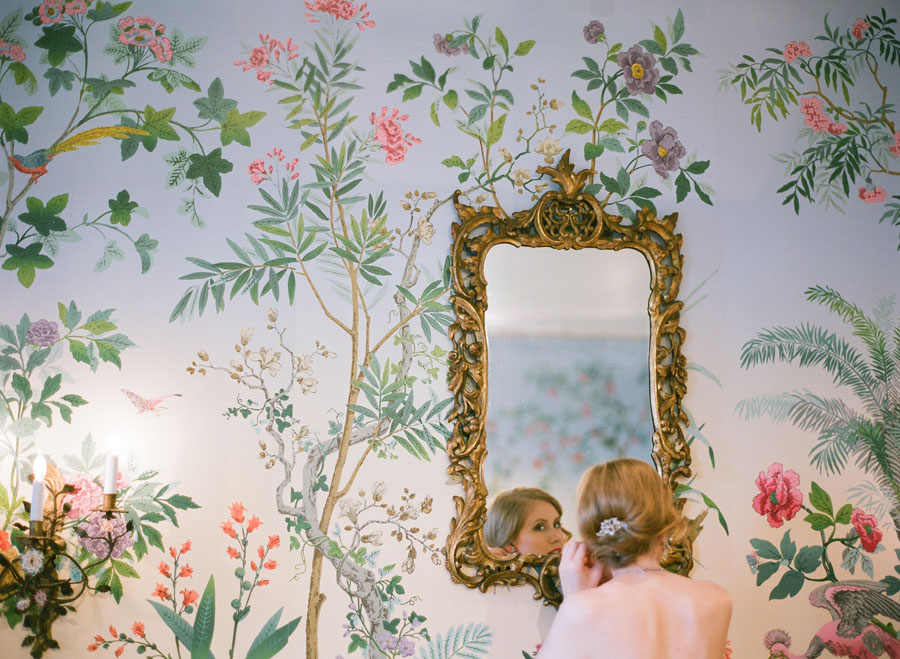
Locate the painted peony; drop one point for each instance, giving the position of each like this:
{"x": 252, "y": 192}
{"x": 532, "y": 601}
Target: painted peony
{"x": 867, "y": 527}
{"x": 663, "y": 149}
{"x": 779, "y": 495}
{"x": 43, "y": 333}
{"x": 389, "y": 133}
{"x": 641, "y": 73}
{"x": 106, "y": 536}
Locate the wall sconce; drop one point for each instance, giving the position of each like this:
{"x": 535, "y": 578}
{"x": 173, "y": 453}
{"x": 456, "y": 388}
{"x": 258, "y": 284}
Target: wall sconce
{"x": 38, "y": 574}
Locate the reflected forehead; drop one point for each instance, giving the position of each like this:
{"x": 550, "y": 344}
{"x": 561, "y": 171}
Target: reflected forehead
{"x": 540, "y": 511}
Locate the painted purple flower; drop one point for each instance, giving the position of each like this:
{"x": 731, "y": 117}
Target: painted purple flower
{"x": 406, "y": 647}
{"x": 386, "y": 640}
{"x": 641, "y": 74}
{"x": 23, "y": 604}
{"x": 43, "y": 333}
{"x": 40, "y": 597}
{"x": 442, "y": 45}
{"x": 663, "y": 149}
{"x": 98, "y": 532}
{"x": 593, "y": 31}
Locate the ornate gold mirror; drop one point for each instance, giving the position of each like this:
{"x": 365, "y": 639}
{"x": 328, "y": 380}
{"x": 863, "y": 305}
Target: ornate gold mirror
{"x": 564, "y": 219}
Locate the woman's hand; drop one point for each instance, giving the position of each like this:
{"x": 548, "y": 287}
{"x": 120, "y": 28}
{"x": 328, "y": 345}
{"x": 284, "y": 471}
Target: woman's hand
{"x": 578, "y": 571}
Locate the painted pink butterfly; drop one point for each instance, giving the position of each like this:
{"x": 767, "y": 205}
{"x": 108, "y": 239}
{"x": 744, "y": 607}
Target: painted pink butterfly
{"x": 147, "y": 404}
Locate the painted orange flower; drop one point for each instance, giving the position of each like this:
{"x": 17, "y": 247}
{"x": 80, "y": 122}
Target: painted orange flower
{"x": 186, "y": 547}
{"x": 161, "y": 592}
{"x": 186, "y": 571}
{"x": 253, "y": 565}
{"x": 228, "y": 529}
{"x": 237, "y": 511}
{"x": 92, "y": 647}
{"x": 274, "y": 541}
{"x": 233, "y": 553}
{"x": 254, "y": 524}
{"x": 262, "y": 582}
{"x": 260, "y": 552}
{"x": 270, "y": 565}
{"x": 119, "y": 651}
{"x": 164, "y": 569}
{"x": 138, "y": 629}
{"x": 172, "y": 552}
{"x": 5, "y": 544}
{"x": 189, "y": 597}
{"x": 112, "y": 630}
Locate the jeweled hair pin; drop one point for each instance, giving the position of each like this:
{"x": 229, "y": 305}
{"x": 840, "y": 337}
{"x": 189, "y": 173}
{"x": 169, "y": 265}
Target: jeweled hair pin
{"x": 610, "y": 526}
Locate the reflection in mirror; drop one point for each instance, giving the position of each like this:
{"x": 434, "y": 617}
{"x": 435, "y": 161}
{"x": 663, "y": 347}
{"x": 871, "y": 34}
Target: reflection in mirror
{"x": 568, "y": 373}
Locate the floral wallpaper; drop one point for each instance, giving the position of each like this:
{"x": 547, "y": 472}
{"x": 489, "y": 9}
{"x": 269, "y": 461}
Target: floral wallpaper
{"x": 224, "y": 298}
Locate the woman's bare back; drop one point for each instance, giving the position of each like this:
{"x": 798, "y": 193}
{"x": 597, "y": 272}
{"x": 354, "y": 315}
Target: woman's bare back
{"x": 642, "y": 614}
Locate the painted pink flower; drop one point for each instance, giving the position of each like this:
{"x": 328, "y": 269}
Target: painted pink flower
{"x": 815, "y": 117}
{"x": 85, "y": 498}
{"x": 74, "y": 7}
{"x": 342, "y": 9}
{"x": 779, "y": 495}
{"x": 874, "y": 196}
{"x": 837, "y": 129}
{"x": 162, "y": 49}
{"x": 389, "y": 133}
{"x": 51, "y": 11}
{"x": 259, "y": 57}
{"x": 12, "y": 51}
{"x": 125, "y": 23}
{"x": 859, "y": 28}
{"x": 867, "y": 527}
{"x": 796, "y": 49}
{"x": 257, "y": 171}
{"x": 894, "y": 148}
{"x": 146, "y": 21}
{"x": 263, "y": 76}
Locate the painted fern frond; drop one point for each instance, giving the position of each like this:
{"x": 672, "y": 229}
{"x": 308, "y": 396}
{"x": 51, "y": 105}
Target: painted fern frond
{"x": 832, "y": 451}
{"x": 863, "y": 327}
{"x": 810, "y": 345}
{"x": 812, "y": 412}
{"x": 883, "y": 314}
{"x": 776, "y": 406}
{"x": 471, "y": 641}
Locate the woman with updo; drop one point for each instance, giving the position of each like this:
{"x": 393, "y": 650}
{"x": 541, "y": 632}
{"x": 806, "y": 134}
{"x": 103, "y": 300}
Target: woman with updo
{"x": 526, "y": 520}
{"x": 617, "y": 600}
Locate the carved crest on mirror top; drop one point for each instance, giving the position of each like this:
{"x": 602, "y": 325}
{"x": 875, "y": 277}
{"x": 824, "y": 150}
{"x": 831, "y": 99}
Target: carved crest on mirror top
{"x": 568, "y": 218}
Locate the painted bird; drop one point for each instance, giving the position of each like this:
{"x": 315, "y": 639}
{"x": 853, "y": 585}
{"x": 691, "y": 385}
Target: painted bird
{"x": 850, "y": 633}
{"x": 35, "y": 163}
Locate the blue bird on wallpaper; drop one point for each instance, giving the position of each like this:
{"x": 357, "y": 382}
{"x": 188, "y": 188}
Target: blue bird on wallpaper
{"x": 35, "y": 163}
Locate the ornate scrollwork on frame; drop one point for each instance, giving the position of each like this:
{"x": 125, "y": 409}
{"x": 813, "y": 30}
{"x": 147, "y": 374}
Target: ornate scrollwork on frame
{"x": 567, "y": 218}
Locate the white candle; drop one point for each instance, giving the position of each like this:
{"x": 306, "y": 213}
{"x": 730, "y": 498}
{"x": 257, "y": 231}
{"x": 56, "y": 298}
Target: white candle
{"x": 112, "y": 474}
{"x": 37, "y": 489}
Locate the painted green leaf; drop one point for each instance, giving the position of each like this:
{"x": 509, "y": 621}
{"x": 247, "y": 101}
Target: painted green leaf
{"x": 697, "y": 167}
{"x": 13, "y": 123}
{"x": 25, "y": 261}
{"x": 592, "y": 151}
{"x": 660, "y": 37}
{"x": 58, "y": 40}
{"x": 808, "y": 559}
{"x": 22, "y": 75}
{"x": 501, "y": 39}
{"x": 612, "y": 126}
{"x": 51, "y": 386}
{"x": 610, "y": 183}
{"x": 678, "y": 27}
{"x": 579, "y": 126}
{"x": 121, "y": 208}
{"x": 682, "y": 187}
{"x": 215, "y": 106}
{"x": 179, "y": 626}
{"x": 235, "y": 127}
{"x": 581, "y": 107}
{"x": 271, "y": 638}
{"x": 791, "y": 583}
{"x": 45, "y": 218}
{"x": 210, "y": 168}
{"x": 451, "y": 99}
{"x": 524, "y": 47}
{"x": 843, "y": 515}
{"x": 818, "y": 521}
{"x": 158, "y": 123}
{"x": 495, "y": 132}
{"x": 104, "y": 11}
{"x": 765, "y": 549}
{"x": 59, "y": 79}
{"x": 204, "y": 622}
{"x": 765, "y": 571}
{"x": 820, "y": 499}
{"x": 788, "y": 546}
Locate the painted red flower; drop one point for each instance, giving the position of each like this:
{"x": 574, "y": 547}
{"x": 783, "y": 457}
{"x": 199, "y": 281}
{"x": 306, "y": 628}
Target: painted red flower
{"x": 254, "y": 524}
{"x": 189, "y": 597}
{"x": 274, "y": 541}
{"x": 186, "y": 547}
{"x": 233, "y": 553}
{"x": 260, "y": 551}
{"x": 112, "y": 630}
{"x": 262, "y": 582}
{"x": 164, "y": 569}
{"x": 237, "y": 512}
{"x": 228, "y": 529}
{"x": 779, "y": 495}
{"x": 253, "y": 566}
{"x": 138, "y": 629}
{"x": 270, "y": 565}
{"x": 5, "y": 544}
{"x": 186, "y": 571}
{"x": 92, "y": 647}
{"x": 119, "y": 651}
{"x": 161, "y": 592}
{"x": 867, "y": 527}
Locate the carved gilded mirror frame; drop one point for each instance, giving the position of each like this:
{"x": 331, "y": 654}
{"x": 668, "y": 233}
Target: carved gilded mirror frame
{"x": 567, "y": 218}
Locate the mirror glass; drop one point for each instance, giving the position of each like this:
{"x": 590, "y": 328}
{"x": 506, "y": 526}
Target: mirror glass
{"x": 568, "y": 335}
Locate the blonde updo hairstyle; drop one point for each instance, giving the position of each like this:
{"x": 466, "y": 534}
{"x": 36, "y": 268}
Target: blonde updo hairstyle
{"x": 632, "y": 492}
{"x": 506, "y": 514}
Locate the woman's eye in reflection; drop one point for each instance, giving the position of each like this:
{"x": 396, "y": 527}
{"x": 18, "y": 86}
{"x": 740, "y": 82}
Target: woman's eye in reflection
{"x": 557, "y": 524}
{"x": 539, "y": 527}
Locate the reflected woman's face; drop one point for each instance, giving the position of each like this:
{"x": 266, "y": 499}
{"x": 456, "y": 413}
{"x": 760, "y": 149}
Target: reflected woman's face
{"x": 542, "y": 531}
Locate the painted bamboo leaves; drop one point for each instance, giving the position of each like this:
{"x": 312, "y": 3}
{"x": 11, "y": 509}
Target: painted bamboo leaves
{"x": 621, "y": 80}
{"x": 137, "y": 47}
{"x": 848, "y": 115}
